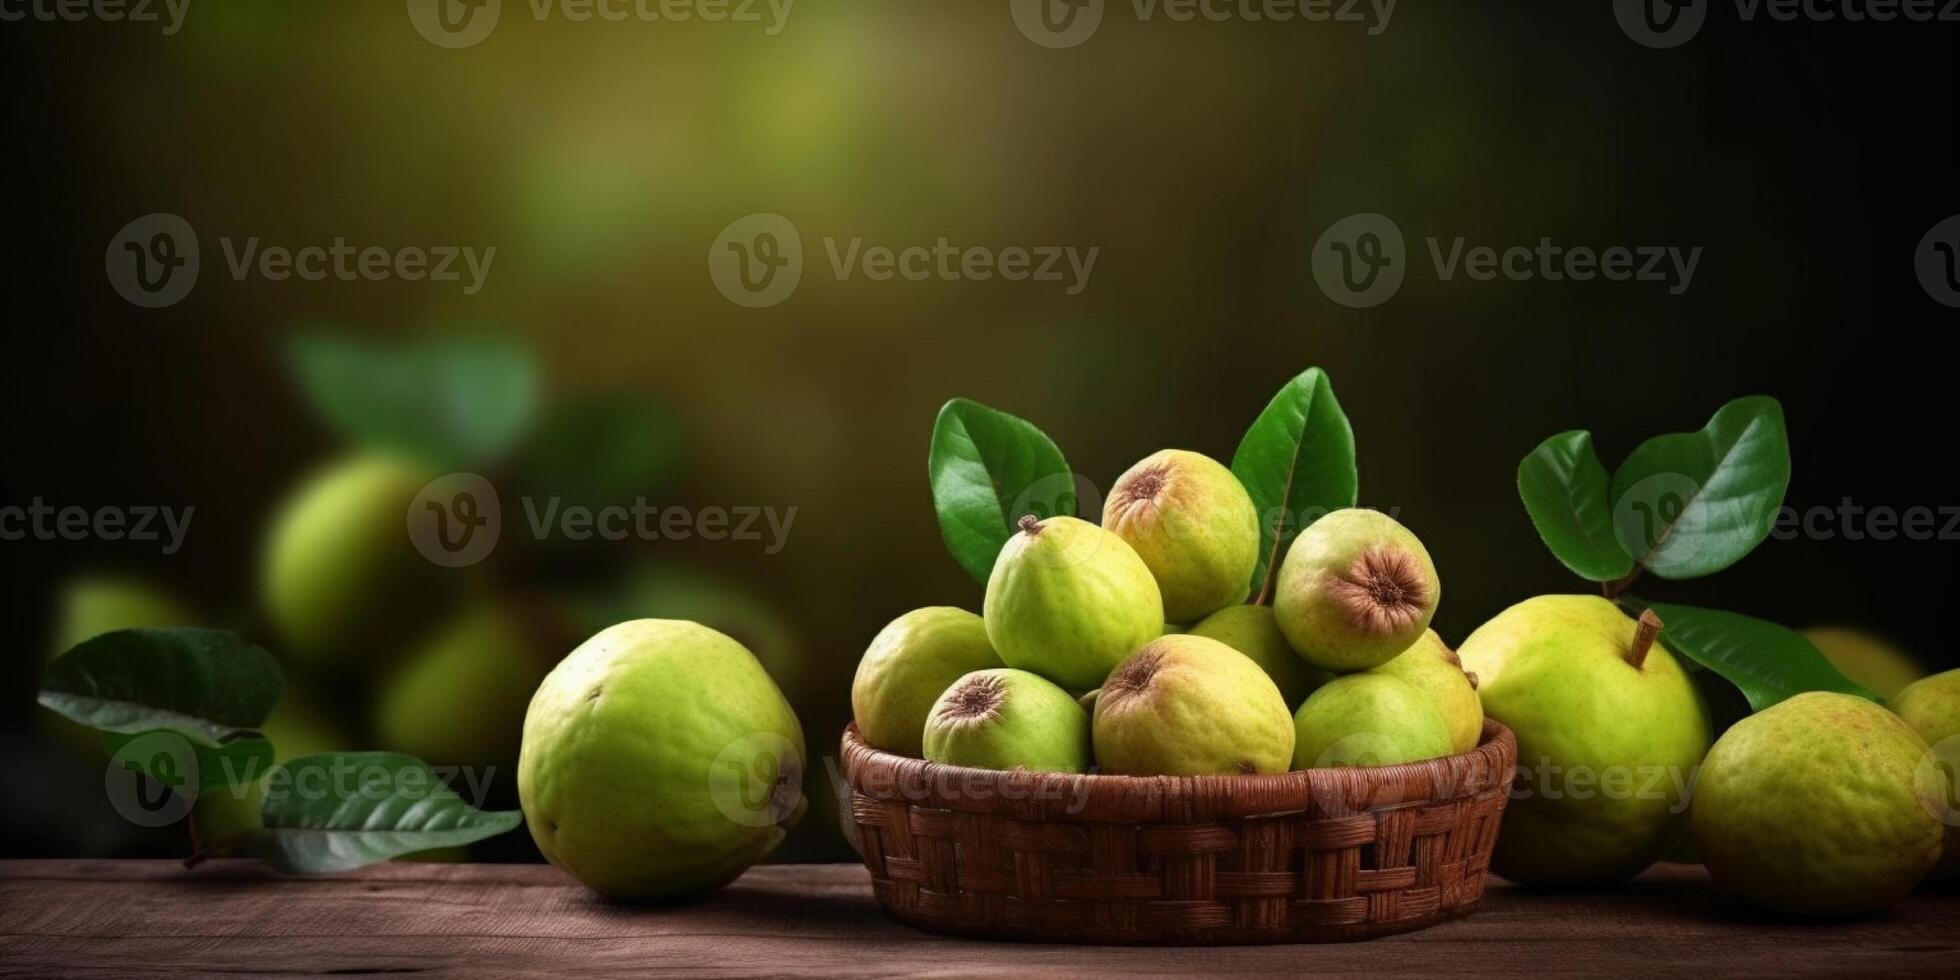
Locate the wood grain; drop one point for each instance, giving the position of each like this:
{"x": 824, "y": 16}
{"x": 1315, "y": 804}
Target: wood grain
{"x": 148, "y": 918}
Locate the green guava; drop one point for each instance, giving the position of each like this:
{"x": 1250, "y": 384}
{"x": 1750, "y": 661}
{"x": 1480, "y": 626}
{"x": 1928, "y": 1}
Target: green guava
{"x": 1367, "y": 719}
{"x": 1609, "y": 730}
{"x": 659, "y": 759}
{"x": 1434, "y": 669}
{"x": 1069, "y": 600}
{"x": 1932, "y": 707}
{"x": 89, "y": 606}
{"x": 1192, "y": 522}
{"x": 1191, "y": 706}
{"x": 1008, "y": 719}
{"x": 1356, "y": 589}
{"x": 459, "y": 698}
{"x": 909, "y": 664}
{"x": 1819, "y": 805}
{"x": 1867, "y": 660}
{"x": 1251, "y": 630}
{"x": 342, "y": 581}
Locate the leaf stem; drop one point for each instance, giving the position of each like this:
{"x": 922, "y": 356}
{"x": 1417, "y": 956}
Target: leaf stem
{"x": 1615, "y": 588}
{"x": 204, "y": 854}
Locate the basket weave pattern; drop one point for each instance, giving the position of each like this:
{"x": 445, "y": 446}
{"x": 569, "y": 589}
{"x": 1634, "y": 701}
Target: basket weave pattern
{"x": 1316, "y": 856}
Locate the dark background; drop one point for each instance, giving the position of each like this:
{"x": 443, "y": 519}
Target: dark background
{"x": 1204, "y": 159}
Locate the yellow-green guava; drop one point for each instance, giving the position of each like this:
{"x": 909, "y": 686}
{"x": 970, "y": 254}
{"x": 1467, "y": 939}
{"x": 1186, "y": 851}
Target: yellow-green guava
{"x": 459, "y": 697}
{"x": 1368, "y": 719}
{"x": 1191, "y": 706}
{"x": 1004, "y": 718}
{"x": 1931, "y": 706}
{"x": 1356, "y": 589}
{"x": 1069, "y": 600}
{"x": 1867, "y": 660}
{"x": 909, "y": 664}
{"x": 659, "y": 759}
{"x": 1434, "y": 669}
{"x": 342, "y": 581}
{"x": 1819, "y": 805}
{"x": 1609, "y": 729}
{"x": 1251, "y": 630}
{"x": 1193, "y": 524}
{"x": 89, "y": 606}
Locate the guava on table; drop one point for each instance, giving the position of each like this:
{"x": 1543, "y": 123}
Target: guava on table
{"x": 1008, "y": 719}
{"x": 659, "y": 759}
{"x": 1820, "y": 805}
{"x": 1932, "y": 707}
{"x": 1193, "y": 524}
{"x": 1356, "y": 589}
{"x": 1368, "y": 719}
{"x": 1069, "y": 600}
{"x": 909, "y": 664}
{"x": 1191, "y": 706}
{"x": 1609, "y": 730}
{"x": 1434, "y": 669}
{"x": 1251, "y": 630}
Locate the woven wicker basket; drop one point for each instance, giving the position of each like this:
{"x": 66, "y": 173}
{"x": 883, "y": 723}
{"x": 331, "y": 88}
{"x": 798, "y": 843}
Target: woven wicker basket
{"x": 1318, "y": 856}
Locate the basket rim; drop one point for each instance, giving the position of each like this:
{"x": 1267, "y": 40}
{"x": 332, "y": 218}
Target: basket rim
{"x": 1102, "y": 797}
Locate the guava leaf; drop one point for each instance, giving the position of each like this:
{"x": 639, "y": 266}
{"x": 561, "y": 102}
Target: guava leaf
{"x": 1693, "y": 503}
{"x": 337, "y": 811}
{"x": 205, "y": 684}
{"x": 1297, "y": 462}
{"x": 1765, "y": 661}
{"x": 988, "y": 470}
{"x": 451, "y": 403}
{"x": 1568, "y": 495}
{"x": 183, "y": 763}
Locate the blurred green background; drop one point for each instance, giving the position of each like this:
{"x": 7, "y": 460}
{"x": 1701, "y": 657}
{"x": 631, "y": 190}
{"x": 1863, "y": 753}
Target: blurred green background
{"x": 601, "y": 160}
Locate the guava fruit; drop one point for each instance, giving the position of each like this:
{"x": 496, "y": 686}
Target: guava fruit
{"x": 1356, "y": 589}
{"x": 1931, "y": 706}
{"x": 1004, "y": 718}
{"x": 1609, "y": 730}
{"x": 659, "y": 759}
{"x": 1368, "y": 719}
{"x": 909, "y": 664}
{"x": 1819, "y": 806}
{"x": 89, "y": 606}
{"x": 1434, "y": 669}
{"x": 1069, "y": 600}
{"x": 459, "y": 698}
{"x": 342, "y": 582}
{"x": 1252, "y": 631}
{"x": 1192, "y": 522}
{"x": 1191, "y": 706}
{"x": 1867, "y": 660}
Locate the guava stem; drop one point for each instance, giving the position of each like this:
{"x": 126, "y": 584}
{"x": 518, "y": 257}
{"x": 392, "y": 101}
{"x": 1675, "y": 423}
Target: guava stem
{"x": 1029, "y": 524}
{"x": 1643, "y": 639}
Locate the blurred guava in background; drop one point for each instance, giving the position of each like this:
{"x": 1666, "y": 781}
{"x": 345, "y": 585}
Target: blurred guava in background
{"x": 459, "y": 698}
{"x": 88, "y": 606}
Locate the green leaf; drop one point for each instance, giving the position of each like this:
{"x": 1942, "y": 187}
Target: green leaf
{"x": 1693, "y": 503}
{"x": 603, "y": 450}
{"x": 178, "y": 762}
{"x": 1567, "y": 494}
{"x": 448, "y": 402}
{"x": 1297, "y": 462}
{"x": 337, "y": 811}
{"x": 988, "y": 470}
{"x": 208, "y": 685}
{"x": 1767, "y": 662}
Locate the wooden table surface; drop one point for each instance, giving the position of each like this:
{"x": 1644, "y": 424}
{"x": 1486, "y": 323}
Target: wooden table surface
{"x": 153, "y": 918}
